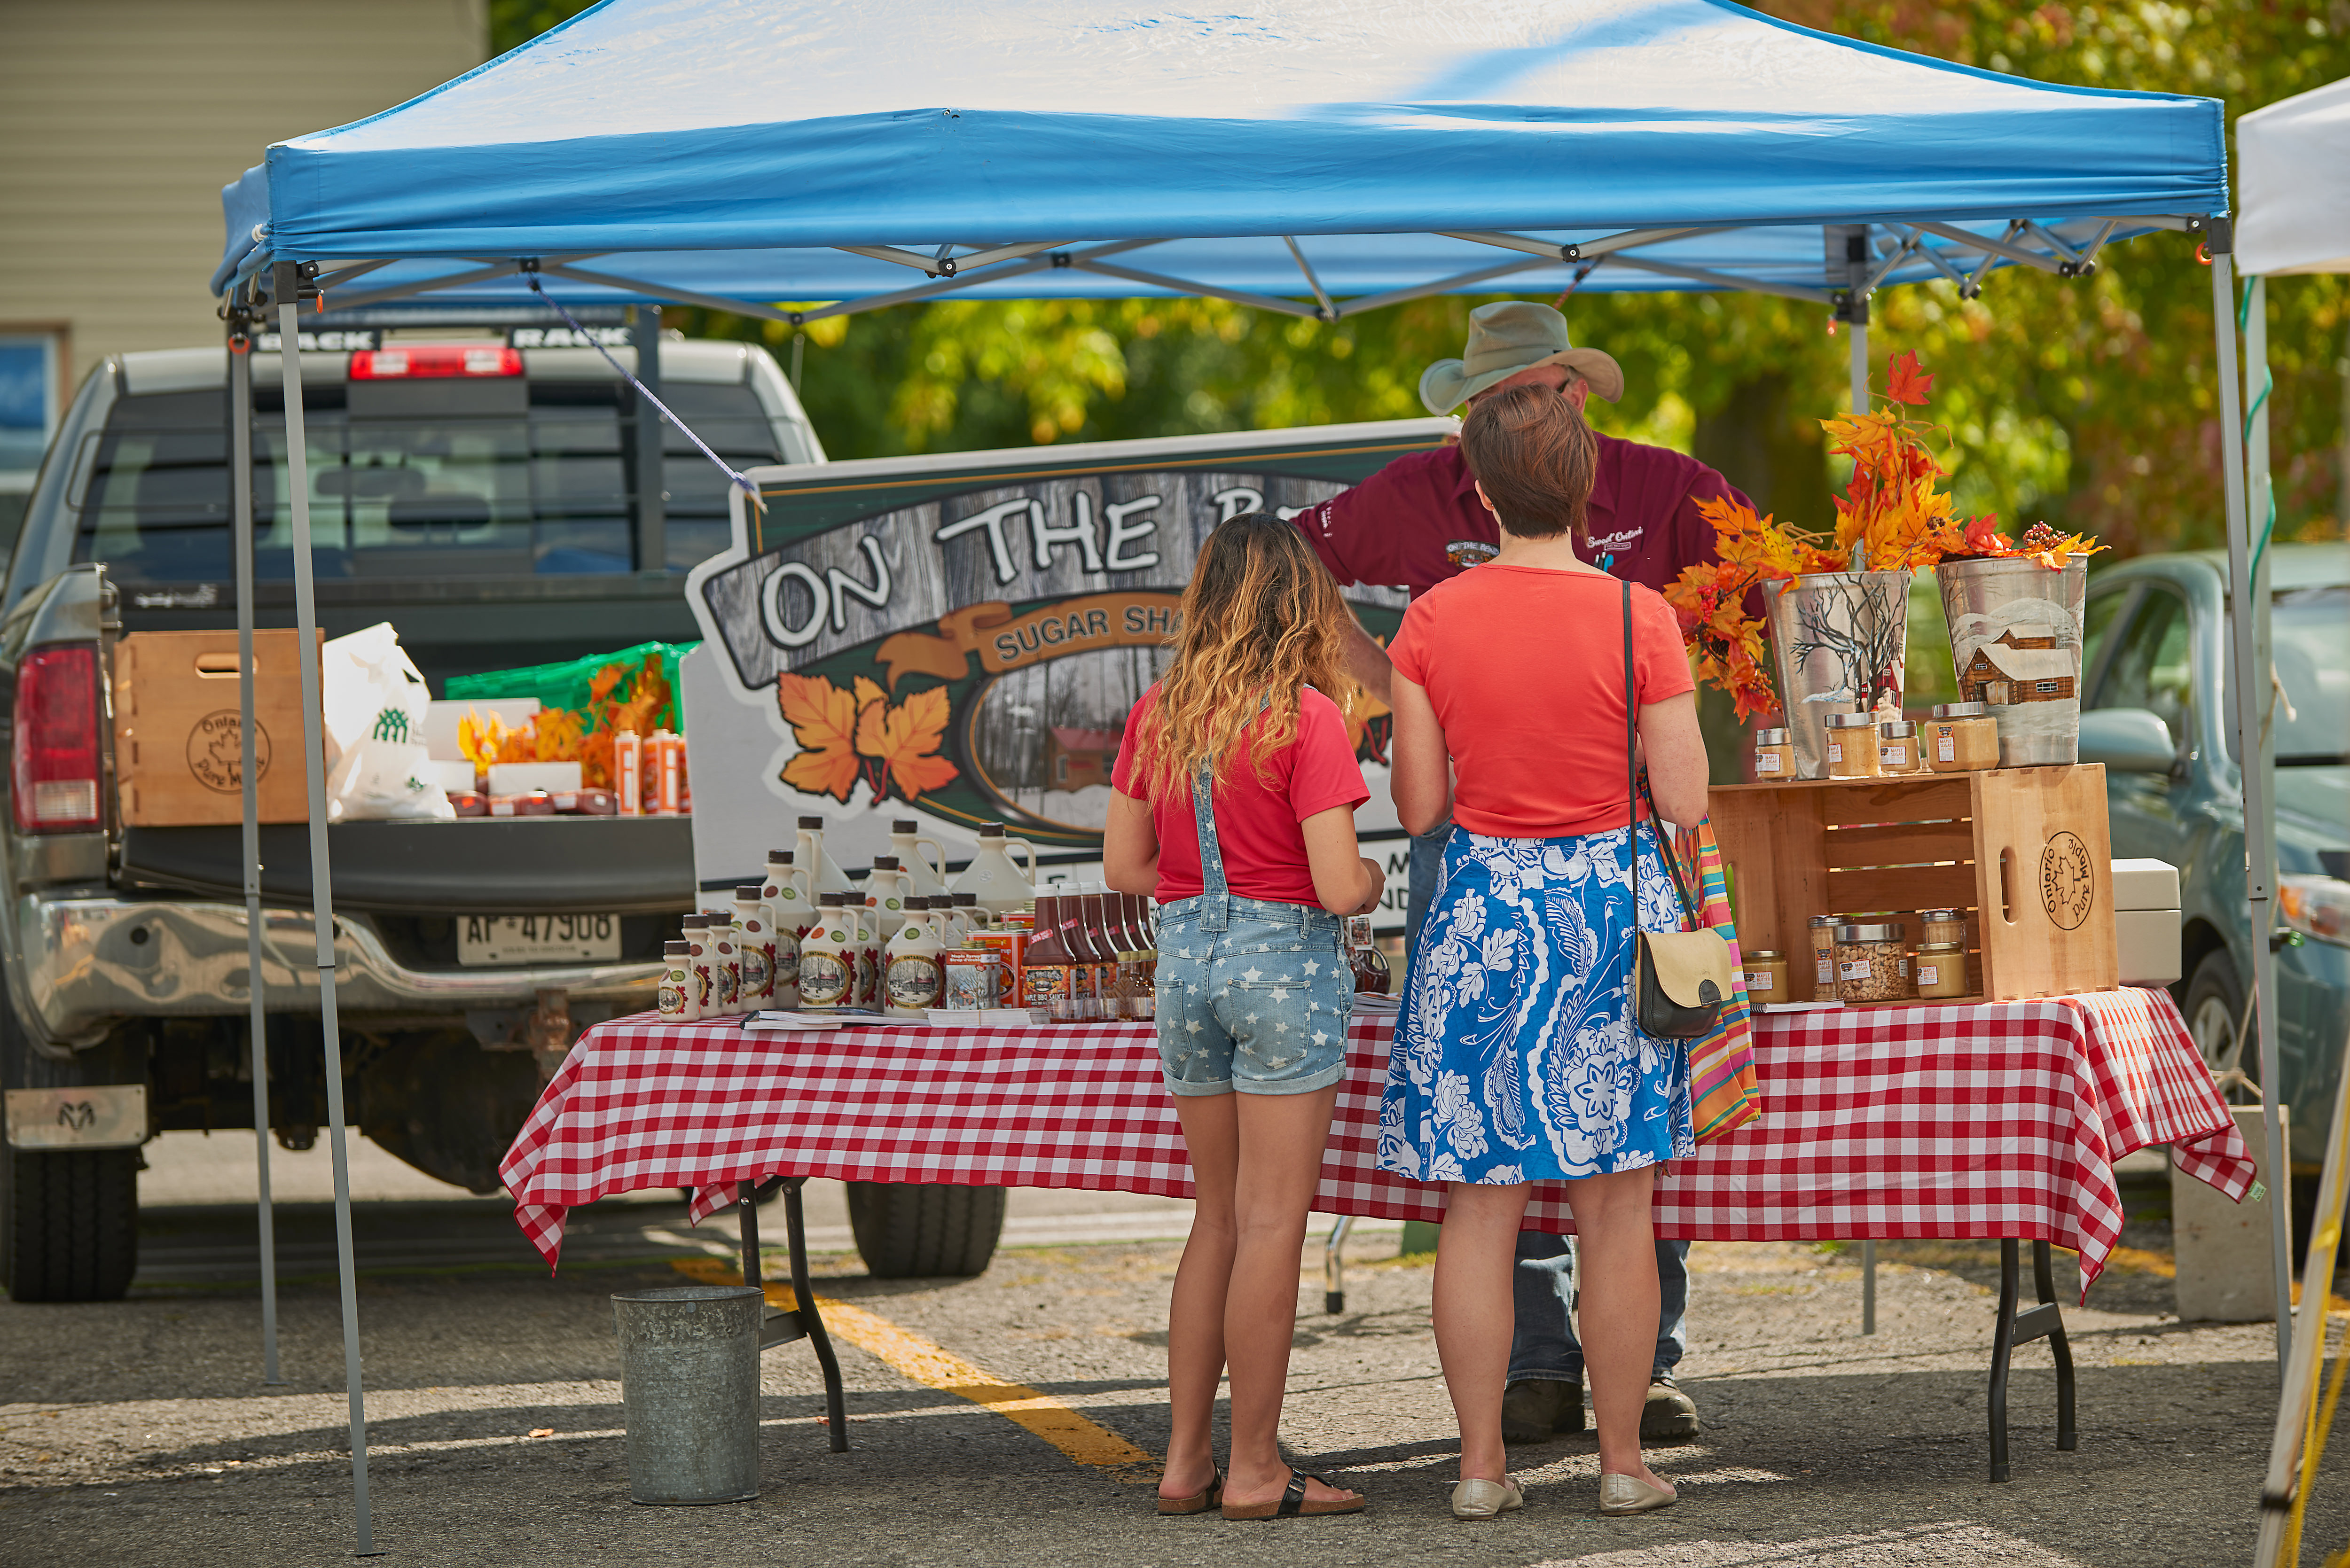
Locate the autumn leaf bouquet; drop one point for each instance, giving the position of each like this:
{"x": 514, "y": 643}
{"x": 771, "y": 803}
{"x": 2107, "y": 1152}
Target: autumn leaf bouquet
{"x": 1893, "y": 515}
{"x": 619, "y": 696}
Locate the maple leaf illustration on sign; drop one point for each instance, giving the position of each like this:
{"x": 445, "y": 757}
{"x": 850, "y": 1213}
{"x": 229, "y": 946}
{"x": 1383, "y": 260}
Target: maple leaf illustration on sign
{"x": 904, "y": 740}
{"x": 824, "y": 722}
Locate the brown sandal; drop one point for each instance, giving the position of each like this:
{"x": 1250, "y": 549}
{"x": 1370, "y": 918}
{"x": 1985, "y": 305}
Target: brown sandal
{"x": 1198, "y": 1501}
{"x": 1293, "y": 1502}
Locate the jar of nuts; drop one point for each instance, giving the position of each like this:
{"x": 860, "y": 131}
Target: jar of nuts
{"x": 1872, "y": 962}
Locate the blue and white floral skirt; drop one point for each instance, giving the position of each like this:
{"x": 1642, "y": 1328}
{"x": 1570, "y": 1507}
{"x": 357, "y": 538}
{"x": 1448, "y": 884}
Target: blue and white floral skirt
{"x": 1514, "y": 1055}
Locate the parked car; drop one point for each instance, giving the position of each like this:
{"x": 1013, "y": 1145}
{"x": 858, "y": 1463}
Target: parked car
{"x": 2158, "y": 713}
{"x": 480, "y": 496}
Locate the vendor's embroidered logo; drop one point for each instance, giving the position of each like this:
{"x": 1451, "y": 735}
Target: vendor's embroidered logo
{"x": 2067, "y": 887}
{"x": 215, "y": 753}
{"x": 1470, "y": 552}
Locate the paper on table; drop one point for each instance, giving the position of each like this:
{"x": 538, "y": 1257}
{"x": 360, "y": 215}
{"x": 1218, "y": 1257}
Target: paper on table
{"x": 1795, "y": 1006}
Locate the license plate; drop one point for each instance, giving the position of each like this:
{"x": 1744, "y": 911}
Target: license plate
{"x": 537, "y": 938}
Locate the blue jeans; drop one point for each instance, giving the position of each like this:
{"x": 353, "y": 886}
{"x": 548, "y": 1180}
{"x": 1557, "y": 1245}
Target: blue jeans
{"x": 1543, "y": 1345}
{"x": 1542, "y": 1288}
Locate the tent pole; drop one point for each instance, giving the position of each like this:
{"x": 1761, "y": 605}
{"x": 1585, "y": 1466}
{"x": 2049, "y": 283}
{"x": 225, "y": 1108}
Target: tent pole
{"x": 2260, "y": 823}
{"x": 1857, "y": 322}
{"x": 652, "y": 509}
{"x": 239, "y": 426}
{"x": 287, "y": 287}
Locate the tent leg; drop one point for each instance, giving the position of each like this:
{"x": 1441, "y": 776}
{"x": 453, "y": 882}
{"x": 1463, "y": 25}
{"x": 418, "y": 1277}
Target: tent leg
{"x": 2245, "y": 697}
{"x": 240, "y": 425}
{"x": 1858, "y": 327}
{"x": 286, "y": 287}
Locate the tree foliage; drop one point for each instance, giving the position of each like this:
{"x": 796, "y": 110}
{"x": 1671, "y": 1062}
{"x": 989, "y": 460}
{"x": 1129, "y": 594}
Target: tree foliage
{"x": 2090, "y": 404}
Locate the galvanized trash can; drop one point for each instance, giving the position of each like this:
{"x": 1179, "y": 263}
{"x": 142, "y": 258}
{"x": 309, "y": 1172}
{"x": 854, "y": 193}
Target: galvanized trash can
{"x": 690, "y": 1378}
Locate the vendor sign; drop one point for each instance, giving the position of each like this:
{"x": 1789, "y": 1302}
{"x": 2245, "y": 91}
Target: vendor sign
{"x": 959, "y": 639}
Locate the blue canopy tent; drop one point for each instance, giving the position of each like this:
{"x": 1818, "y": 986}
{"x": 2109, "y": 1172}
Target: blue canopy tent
{"x": 790, "y": 161}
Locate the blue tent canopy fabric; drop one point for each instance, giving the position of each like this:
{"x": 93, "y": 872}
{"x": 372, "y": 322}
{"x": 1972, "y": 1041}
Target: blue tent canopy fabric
{"x": 1323, "y": 155}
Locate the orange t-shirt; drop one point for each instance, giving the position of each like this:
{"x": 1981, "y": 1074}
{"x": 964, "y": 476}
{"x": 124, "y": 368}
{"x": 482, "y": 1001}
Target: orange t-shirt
{"x": 1526, "y": 668}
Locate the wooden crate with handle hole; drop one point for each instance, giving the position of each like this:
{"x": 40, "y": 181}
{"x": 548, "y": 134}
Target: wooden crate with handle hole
{"x": 177, "y": 732}
{"x": 2024, "y": 854}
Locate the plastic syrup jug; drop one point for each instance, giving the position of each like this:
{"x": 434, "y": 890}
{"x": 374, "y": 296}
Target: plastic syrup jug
{"x": 823, "y": 875}
{"x": 698, "y": 984}
{"x": 725, "y": 962}
{"x": 926, "y": 875}
{"x": 675, "y": 980}
{"x": 1002, "y": 885}
{"x": 786, "y": 997}
{"x": 886, "y": 893}
{"x": 828, "y": 957}
{"x": 785, "y": 892}
{"x": 915, "y": 972}
{"x": 754, "y": 943}
{"x": 866, "y": 923}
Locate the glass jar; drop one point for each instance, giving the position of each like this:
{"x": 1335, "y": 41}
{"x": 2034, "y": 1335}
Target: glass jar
{"x": 1766, "y": 976}
{"x": 1942, "y": 970}
{"x": 1138, "y": 993}
{"x": 1852, "y": 746}
{"x": 1823, "y": 974}
{"x": 1960, "y": 737}
{"x": 1872, "y": 962}
{"x": 1896, "y": 748}
{"x": 1775, "y": 756}
{"x": 1937, "y": 927}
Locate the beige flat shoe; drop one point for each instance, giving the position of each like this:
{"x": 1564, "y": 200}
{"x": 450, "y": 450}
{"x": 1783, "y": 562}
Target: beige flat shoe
{"x": 1479, "y": 1498}
{"x": 1629, "y": 1494}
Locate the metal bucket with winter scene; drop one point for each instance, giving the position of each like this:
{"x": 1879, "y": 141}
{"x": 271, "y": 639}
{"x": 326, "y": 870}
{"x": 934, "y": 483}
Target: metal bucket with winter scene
{"x": 1841, "y": 638}
{"x": 2015, "y": 641}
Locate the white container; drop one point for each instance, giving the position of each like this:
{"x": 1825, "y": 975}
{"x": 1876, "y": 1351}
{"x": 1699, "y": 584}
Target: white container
{"x": 1002, "y": 887}
{"x": 2145, "y": 922}
{"x": 926, "y": 875}
{"x": 674, "y": 981}
{"x": 829, "y": 959}
{"x": 886, "y": 893}
{"x": 754, "y": 943}
{"x": 699, "y": 985}
{"x": 785, "y": 893}
{"x": 521, "y": 778}
{"x": 866, "y": 929}
{"x": 823, "y": 875}
{"x": 914, "y": 977}
{"x": 725, "y": 963}
{"x": 786, "y": 997}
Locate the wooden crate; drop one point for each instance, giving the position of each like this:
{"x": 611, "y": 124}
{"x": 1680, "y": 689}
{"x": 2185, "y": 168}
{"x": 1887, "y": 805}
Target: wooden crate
{"x": 176, "y": 742}
{"x": 2023, "y": 852}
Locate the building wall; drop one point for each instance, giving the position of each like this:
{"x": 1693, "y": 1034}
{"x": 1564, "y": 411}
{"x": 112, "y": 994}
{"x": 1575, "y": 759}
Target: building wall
{"x": 121, "y": 120}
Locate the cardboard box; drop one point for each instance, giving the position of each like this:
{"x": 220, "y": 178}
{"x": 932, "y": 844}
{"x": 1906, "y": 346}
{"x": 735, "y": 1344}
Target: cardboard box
{"x": 2024, "y": 852}
{"x": 177, "y": 736}
{"x": 2145, "y": 921}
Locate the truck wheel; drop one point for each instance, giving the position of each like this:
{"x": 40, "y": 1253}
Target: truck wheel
{"x": 70, "y": 1224}
{"x": 2214, "y": 1007}
{"x": 914, "y": 1230}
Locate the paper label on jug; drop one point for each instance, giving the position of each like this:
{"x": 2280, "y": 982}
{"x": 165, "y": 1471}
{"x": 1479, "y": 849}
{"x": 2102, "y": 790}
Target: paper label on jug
{"x": 758, "y": 970}
{"x": 825, "y": 979}
{"x": 915, "y": 980}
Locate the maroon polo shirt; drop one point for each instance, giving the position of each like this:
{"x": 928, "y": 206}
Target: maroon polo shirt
{"x": 1417, "y": 521}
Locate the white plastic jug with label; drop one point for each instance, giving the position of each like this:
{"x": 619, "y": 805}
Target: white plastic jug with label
{"x": 824, "y": 876}
{"x": 926, "y": 874}
{"x": 785, "y": 893}
{"x": 886, "y": 894}
{"x": 1002, "y": 886}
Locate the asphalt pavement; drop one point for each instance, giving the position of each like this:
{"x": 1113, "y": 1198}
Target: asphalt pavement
{"x": 1015, "y": 1418}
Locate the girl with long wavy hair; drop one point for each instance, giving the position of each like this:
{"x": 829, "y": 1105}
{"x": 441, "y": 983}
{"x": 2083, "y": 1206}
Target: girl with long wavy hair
{"x": 1234, "y": 802}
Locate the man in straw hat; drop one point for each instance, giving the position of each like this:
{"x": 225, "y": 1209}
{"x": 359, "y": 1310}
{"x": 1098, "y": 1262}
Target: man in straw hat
{"x": 1417, "y": 521}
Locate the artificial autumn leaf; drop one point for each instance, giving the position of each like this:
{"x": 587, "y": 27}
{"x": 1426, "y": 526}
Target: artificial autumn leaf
{"x": 600, "y": 684}
{"x": 556, "y": 733}
{"x": 480, "y": 736}
{"x": 904, "y": 739}
{"x": 824, "y": 722}
{"x": 1906, "y": 382}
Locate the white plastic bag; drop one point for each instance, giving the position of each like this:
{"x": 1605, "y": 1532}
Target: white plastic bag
{"x": 374, "y": 700}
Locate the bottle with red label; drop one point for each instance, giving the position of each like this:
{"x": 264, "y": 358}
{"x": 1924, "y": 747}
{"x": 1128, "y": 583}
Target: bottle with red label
{"x": 1047, "y": 971}
{"x": 1100, "y": 946}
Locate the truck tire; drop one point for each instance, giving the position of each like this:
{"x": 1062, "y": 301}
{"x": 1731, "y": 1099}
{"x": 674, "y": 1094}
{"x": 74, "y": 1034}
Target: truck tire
{"x": 2214, "y": 1008}
{"x": 918, "y": 1229}
{"x": 70, "y": 1224}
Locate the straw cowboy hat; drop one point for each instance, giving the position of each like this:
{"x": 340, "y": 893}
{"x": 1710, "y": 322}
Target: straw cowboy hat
{"x": 1504, "y": 339}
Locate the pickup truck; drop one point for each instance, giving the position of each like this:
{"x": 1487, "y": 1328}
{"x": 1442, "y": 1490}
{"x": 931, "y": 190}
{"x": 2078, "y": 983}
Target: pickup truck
{"x": 486, "y": 503}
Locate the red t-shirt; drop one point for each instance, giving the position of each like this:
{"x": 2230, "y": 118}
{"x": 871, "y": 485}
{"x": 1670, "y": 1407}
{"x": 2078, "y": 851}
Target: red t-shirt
{"x": 1417, "y": 521}
{"x": 1526, "y": 668}
{"x": 1257, "y": 831}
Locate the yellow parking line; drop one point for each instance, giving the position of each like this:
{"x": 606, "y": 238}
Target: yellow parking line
{"x": 934, "y": 1365}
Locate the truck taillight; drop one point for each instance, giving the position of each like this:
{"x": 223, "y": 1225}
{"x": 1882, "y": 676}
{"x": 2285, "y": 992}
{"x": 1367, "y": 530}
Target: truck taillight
{"x": 56, "y": 761}
{"x": 419, "y": 361}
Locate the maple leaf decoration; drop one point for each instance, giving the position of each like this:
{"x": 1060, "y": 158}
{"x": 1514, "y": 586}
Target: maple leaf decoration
{"x": 904, "y": 739}
{"x": 1909, "y": 384}
{"x": 824, "y": 722}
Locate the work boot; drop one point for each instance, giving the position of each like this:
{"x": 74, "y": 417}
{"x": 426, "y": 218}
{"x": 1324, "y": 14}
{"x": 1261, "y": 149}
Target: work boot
{"x": 1670, "y": 1413}
{"x": 1535, "y": 1408}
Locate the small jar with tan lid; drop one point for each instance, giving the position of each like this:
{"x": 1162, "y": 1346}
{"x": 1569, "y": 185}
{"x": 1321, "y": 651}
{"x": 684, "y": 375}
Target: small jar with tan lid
{"x": 1852, "y": 746}
{"x": 1872, "y": 962}
{"x": 1775, "y": 756}
{"x": 1960, "y": 737}
{"x": 1942, "y": 970}
{"x": 1766, "y": 976}
{"x": 1896, "y": 748}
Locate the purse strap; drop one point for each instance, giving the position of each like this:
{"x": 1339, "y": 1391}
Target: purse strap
{"x": 1690, "y": 908}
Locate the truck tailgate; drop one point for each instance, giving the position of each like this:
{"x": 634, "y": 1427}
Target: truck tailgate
{"x": 474, "y": 864}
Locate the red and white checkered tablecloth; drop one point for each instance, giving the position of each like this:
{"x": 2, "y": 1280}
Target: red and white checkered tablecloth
{"x": 1998, "y": 1119}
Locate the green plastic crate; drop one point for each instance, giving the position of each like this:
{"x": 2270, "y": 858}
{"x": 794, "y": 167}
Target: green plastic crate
{"x": 566, "y": 684}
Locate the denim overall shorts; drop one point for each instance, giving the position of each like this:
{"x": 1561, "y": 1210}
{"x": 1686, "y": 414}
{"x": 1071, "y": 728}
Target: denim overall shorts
{"x": 1253, "y": 994}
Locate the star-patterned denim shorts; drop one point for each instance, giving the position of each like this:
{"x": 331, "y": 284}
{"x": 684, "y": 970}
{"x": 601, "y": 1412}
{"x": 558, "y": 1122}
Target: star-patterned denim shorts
{"x": 1258, "y": 1006}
